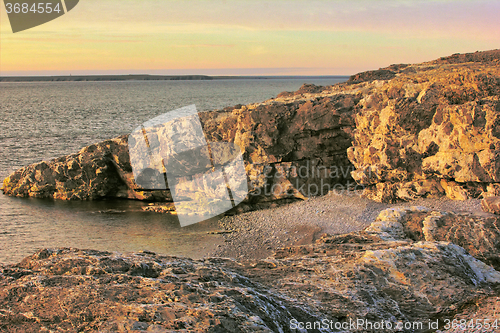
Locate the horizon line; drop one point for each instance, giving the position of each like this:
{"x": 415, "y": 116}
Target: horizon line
{"x": 275, "y": 71}
{"x": 153, "y": 77}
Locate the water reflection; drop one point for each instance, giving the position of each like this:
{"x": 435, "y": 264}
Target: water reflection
{"x": 114, "y": 225}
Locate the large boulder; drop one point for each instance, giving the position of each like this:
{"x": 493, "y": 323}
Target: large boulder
{"x": 491, "y": 205}
{"x": 420, "y": 224}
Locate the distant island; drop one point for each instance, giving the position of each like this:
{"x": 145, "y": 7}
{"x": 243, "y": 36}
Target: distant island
{"x": 147, "y": 77}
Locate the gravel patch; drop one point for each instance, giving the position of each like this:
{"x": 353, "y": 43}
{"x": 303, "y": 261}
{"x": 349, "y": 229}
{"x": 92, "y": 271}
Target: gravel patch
{"x": 257, "y": 234}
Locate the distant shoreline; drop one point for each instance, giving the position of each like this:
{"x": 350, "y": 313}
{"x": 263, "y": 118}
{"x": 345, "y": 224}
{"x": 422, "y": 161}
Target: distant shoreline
{"x": 147, "y": 77}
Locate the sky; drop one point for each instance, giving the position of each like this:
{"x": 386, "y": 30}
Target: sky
{"x": 240, "y": 37}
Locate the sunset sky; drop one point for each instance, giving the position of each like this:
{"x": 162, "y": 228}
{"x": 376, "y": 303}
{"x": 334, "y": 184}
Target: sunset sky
{"x": 247, "y": 37}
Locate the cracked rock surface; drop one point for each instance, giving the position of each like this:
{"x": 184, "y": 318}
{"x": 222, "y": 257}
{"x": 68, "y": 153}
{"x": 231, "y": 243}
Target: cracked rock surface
{"x": 361, "y": 275}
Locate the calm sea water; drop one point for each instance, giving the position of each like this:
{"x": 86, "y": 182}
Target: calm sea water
{"x": 45, "y": 120}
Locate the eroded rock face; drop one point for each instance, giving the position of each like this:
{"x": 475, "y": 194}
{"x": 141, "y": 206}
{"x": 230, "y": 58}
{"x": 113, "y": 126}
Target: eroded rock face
{"x": 97, "y": 171}
{"x": 360, "y": 277}
{"x": 410, "y": 131}
{"x": 292, "y": 147}
{"x": 478, "y": 234}
{"x": 430, "y": 129}
{"x": 409, "y": 272}
{"x": 393, "y": 268}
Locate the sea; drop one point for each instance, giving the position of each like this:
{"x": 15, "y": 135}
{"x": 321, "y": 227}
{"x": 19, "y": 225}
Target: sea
{"x": 45, "y": 120}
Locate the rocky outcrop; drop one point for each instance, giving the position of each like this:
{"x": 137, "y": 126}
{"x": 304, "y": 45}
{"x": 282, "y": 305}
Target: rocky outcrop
{"x": 402, "y": 270}
{"x": 89, "y": 291}
{"x": 292, "y": 148}
{"x": 459, "y": 58}
{"x": 410, "y": 131}
{"x": 431, "y": 129}
{"x": 463, "y": 229}
{"x": 97, "y": 171}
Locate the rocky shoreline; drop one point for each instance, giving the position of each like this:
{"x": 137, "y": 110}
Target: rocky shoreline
{"x": 258, "y": 234}
{"x": 403, "y": 132}
{"x": 426, "y": 133}
{"x": 411, "y": 265}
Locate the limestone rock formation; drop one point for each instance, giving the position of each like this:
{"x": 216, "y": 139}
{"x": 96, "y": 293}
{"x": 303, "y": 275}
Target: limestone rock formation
{"x": 402, "y": 269}
{"x": 292, "y": 148}
{"x": 463, "y": 229}
{"x": 429, "y": 129}
{"x": 97, "y": 171}
{"x": 85, "y": 290}
{"x": 409, "y": 131}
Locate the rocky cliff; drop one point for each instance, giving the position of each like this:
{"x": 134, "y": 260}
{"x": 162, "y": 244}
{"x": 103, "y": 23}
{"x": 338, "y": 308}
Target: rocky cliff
{"x": 405, "y": 131}
{"x": 402, "y": 270}
{"x": 429, "y": 129}
{"x": 293, "y": 147}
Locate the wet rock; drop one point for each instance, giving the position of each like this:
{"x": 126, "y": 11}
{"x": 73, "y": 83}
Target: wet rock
{"x": 160, "y": 208}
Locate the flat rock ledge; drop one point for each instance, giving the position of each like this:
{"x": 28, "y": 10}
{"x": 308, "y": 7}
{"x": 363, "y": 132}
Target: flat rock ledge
{"x": 411, "y": 265}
